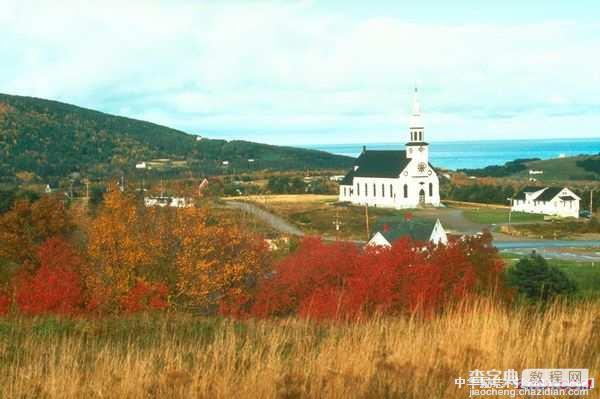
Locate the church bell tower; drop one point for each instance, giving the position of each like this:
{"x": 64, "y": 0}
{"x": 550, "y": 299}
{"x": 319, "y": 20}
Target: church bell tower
{"x": 417, "y": 148}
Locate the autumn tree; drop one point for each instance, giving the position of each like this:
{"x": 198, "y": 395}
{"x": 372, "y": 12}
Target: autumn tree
{"x": 121, "y": 244}
{"x": 216, "y": 261}
{"x": 56, "y": 286}
{"x": 27, "y": 225}
{"x": 343, "y": 281}
{"x": 146, "y": 297}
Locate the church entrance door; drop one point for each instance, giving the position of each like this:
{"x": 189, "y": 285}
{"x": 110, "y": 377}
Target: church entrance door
{"x": 422, "y": 197}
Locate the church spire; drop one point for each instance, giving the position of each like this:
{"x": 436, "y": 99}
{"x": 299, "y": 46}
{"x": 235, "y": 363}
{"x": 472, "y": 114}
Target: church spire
{"x": 417, "y": 133}
{"x": 415, "y": 119}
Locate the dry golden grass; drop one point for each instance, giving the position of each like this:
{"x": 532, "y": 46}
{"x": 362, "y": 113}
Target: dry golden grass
{"x": 183, "y": 357}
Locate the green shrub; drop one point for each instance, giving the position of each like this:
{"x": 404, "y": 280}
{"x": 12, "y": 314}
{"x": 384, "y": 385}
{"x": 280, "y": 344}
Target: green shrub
{"x": 536, "y": 280}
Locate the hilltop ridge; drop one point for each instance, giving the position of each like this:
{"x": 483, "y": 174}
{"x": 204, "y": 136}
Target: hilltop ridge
{"x": 49, "y": 139}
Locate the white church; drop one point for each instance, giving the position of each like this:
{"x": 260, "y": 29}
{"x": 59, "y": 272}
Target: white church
{"x": 395, "y": 179}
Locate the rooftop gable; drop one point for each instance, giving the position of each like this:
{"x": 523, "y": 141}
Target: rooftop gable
{"x": 417, "y": 230}
{"x": 375, "y": 163}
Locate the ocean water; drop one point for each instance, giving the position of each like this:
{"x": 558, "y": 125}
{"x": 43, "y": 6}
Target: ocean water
{"x": 476, "y": 154}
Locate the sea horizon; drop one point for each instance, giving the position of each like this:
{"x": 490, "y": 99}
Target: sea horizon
{"x": 479, "y": 153}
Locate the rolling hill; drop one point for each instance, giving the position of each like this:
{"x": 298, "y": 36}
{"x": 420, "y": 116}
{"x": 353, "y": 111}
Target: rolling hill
{"x": 49, "y": 139}
{"x": 582, "y": 167}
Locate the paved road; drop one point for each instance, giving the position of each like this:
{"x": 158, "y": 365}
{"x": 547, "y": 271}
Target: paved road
{"x": 533, "y": 244}
{"x": 272, "y": 220}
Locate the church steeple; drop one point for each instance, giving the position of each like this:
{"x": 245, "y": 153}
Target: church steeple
{"x": 417, "y": 131}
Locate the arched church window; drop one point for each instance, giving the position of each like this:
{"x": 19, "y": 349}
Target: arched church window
{"x": 406, "y": 191}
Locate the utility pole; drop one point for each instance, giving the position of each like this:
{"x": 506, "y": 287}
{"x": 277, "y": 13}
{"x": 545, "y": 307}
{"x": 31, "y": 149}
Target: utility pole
{"x": 510, "y": 201}
{"x": 337, "y": 224}
{"x": 510, "y": 213}
{"x": 367, "y": 221}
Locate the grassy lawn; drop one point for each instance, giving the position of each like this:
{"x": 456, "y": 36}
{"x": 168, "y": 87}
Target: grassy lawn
{"x": 559, "y": 228}
{"x": 495, "y": 216}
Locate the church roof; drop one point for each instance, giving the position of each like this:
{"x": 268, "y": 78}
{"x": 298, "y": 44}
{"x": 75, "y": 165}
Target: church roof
{"x": 347, "y": 180}
{"x": 417, "y": 230}
{"x": 374, "y": 163}
{"x": 548, "y": 194}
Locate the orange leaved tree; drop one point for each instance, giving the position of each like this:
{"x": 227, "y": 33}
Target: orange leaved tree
{"x": 27, "y": 225}
{"x": 118, "y": 247}
{"x": 216, "y": 262}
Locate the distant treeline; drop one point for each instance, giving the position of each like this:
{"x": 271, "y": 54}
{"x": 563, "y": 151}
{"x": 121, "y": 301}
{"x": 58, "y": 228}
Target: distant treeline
{"x": 509, "y": 168}
{"x": 482, "y": 193}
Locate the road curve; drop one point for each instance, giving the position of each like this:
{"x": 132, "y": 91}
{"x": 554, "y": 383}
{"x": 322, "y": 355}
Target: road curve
{"x": 272, "y": 220}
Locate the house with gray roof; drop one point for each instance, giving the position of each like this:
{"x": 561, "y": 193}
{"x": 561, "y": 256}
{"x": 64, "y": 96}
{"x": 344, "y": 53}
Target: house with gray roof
{"x": 422, "y": 231}
{"x": 394, "y": 179}
{"x": 553, "y": 201}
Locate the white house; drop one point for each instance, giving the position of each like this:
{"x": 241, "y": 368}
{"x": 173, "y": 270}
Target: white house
{"x": 164, "y": 201}
{"x": 421, "y": 230}
{"x": 394, "y": 179}
{"x": 553, "y": 201}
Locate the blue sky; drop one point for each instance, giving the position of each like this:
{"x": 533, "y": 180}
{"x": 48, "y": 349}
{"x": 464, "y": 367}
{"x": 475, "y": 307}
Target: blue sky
{"x": 310, "y": 72}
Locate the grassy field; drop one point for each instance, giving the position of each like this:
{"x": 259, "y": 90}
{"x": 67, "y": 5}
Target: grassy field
{"x": 560, "y": 229}
{"x": 184, "y": 357}
{"x": 316, "y": 214}
{"x": 246, "y": 220}
{"x": 495, "y": 216}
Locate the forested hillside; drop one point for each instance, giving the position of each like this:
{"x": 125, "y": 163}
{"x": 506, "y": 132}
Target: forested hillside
{"x": 46, "y": 139}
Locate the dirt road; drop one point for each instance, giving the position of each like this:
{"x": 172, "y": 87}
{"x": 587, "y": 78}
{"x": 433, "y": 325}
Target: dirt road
{"x": 274, "y": 221}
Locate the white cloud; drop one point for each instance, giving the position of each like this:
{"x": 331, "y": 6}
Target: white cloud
{"x": 245, "y": 69}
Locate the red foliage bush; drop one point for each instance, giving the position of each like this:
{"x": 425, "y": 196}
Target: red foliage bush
{"x": 146, "y": 297}
{"x": 343, "y": 281}
{"x": 55, "y": 287}
{"x": 4, "y": 303}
